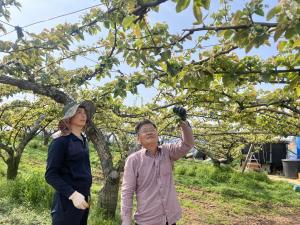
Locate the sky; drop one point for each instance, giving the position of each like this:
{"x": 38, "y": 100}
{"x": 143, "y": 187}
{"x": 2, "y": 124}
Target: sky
{"x": 36, "y": 10}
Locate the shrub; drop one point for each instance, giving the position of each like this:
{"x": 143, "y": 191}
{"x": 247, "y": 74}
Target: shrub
{"x": 96, "y": 217}
{"x": 31, "y": 189}
{"x": 181, "y": 170}
{"x": 35, "y": 144}
{"x": 191, "y": 171}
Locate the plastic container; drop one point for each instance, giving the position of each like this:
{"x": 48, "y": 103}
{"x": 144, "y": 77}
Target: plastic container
{"x": 291, "y": 167}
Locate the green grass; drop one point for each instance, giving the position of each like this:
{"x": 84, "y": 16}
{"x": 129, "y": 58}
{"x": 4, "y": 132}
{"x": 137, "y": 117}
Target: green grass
{"x": 224, "y": 188}
{"x": 232, "y": 184}
{"x": 21, "y": 214}
{"x": 219, "y": 195}
{"x": 96, "y": 218}
{"x": 30, "y": 190}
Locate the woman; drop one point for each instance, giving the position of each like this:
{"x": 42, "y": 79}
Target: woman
{"x": 68, "y": 167}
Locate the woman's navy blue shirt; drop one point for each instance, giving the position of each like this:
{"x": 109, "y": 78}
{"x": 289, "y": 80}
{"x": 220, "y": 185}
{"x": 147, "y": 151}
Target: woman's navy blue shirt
{"x": 68, "y": 165}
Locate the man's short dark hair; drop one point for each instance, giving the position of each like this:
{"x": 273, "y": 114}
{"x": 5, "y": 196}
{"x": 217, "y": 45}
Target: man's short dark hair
{"x": 142, "y": 123}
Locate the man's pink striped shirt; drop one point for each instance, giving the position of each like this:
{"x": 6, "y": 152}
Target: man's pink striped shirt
{"x": 150, "y": 178}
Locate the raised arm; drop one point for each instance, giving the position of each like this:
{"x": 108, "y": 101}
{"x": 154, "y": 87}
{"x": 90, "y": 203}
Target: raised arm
{"x": 180, "y": 149}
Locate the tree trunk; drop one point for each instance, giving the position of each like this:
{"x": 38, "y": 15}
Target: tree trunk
{"x": 12, "y": 167}
{"x": 46, "y": 140}
{"x": 46, "y": 136}
{"x": 108, "y": 196}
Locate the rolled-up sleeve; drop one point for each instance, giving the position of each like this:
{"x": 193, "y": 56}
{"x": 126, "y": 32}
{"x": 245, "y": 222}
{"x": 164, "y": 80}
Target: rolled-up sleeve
{"x": 55, "y": 162}
{"x": 180, "y": 149}
{"x": 127, "y": 191}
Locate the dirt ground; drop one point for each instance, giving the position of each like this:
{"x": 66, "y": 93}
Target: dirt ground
{"x": 282, "y": 178}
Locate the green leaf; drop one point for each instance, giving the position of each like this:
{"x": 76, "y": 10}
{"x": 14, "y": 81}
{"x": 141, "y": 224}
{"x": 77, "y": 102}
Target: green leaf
{"x": 289, "y": 33}
{"x": 296, "y": 43}
{"x": 106, "y": 24}
{"x": 172, "y": 68}
{"x": 139, "y": 43}
{"x": 205, "y": 4}
{"x": 266, "y": 76}
{"x": 228, "y": 34}
{"x": 272, "y": 12}
{"x": 182, "y": 4}
{"x": 165, "y": 55}
{"x": 259, "y": 12}
{"x": 281, "y": 45}
{"x": 156, "y": 8}
{"x": 277, "y": 34}
{"x": 18, "y": 5}
{"x": 228, "y": 80}
{"x": 236, "y": 17}
{"x": 297, "y": 91}
{"x": 127, "y": 21}
{"x": 248, "y": 48}
{"x": 197, "y": 13}
{"x": 198, "y": 3}
{"x": 120, "y": 88}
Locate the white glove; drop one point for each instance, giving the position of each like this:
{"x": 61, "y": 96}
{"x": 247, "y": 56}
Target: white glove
{"x": 78, "y": 200}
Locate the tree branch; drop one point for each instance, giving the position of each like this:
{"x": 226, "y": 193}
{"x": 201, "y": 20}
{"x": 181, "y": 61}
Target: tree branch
{"x": 16, "y": 126}
{"x": 237, "y": 27}
{"x": 292, "y": 108}
{"x": 163, "y": 46}
{"x": 30, "y": 134}
{"x": 29, "y": 48}
{"x": 224, "y": 52}
{"x": 275, "y": 71}
{"x": 2, "y": 156}
{"x": 230, "y": 133}
{"x": 93, "y": 22}
{"x": 50, "y": 92}
{"x": 275, "y": 111}
{"x": 127, "y": 115}
{"x": 115, "y": 41}
{"x": 143, "y": 8}
{"x": 6, "y": 148}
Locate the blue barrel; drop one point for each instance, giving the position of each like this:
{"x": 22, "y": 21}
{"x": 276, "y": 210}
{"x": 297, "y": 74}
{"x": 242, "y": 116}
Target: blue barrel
{"x": 296, "y": 188}
{"x": 298, "y": 146}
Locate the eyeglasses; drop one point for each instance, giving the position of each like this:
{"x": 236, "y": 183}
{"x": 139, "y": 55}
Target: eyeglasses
{"x": 146, "y": 131}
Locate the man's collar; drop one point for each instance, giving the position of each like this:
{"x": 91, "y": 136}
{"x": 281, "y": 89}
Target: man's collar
{"x": 147, "y": 152}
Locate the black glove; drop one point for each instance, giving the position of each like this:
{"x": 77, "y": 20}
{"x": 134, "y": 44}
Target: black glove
{"x": 180, "y": 112}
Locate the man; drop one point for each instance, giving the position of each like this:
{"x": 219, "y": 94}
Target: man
{"x": 68, "y": 167}
{"x": 148, "y": 173}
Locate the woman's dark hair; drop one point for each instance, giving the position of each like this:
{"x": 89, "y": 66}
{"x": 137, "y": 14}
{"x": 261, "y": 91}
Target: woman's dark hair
{"x": 142, "y": 123}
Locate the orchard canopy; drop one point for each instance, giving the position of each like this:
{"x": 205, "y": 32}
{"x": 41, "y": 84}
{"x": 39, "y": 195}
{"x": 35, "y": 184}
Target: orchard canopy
{"x": 235, "y": 66}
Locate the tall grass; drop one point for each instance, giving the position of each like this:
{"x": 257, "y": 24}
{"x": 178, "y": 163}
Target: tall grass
{"x": 96, "y": 217}
{"x": 31, "y": 190}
